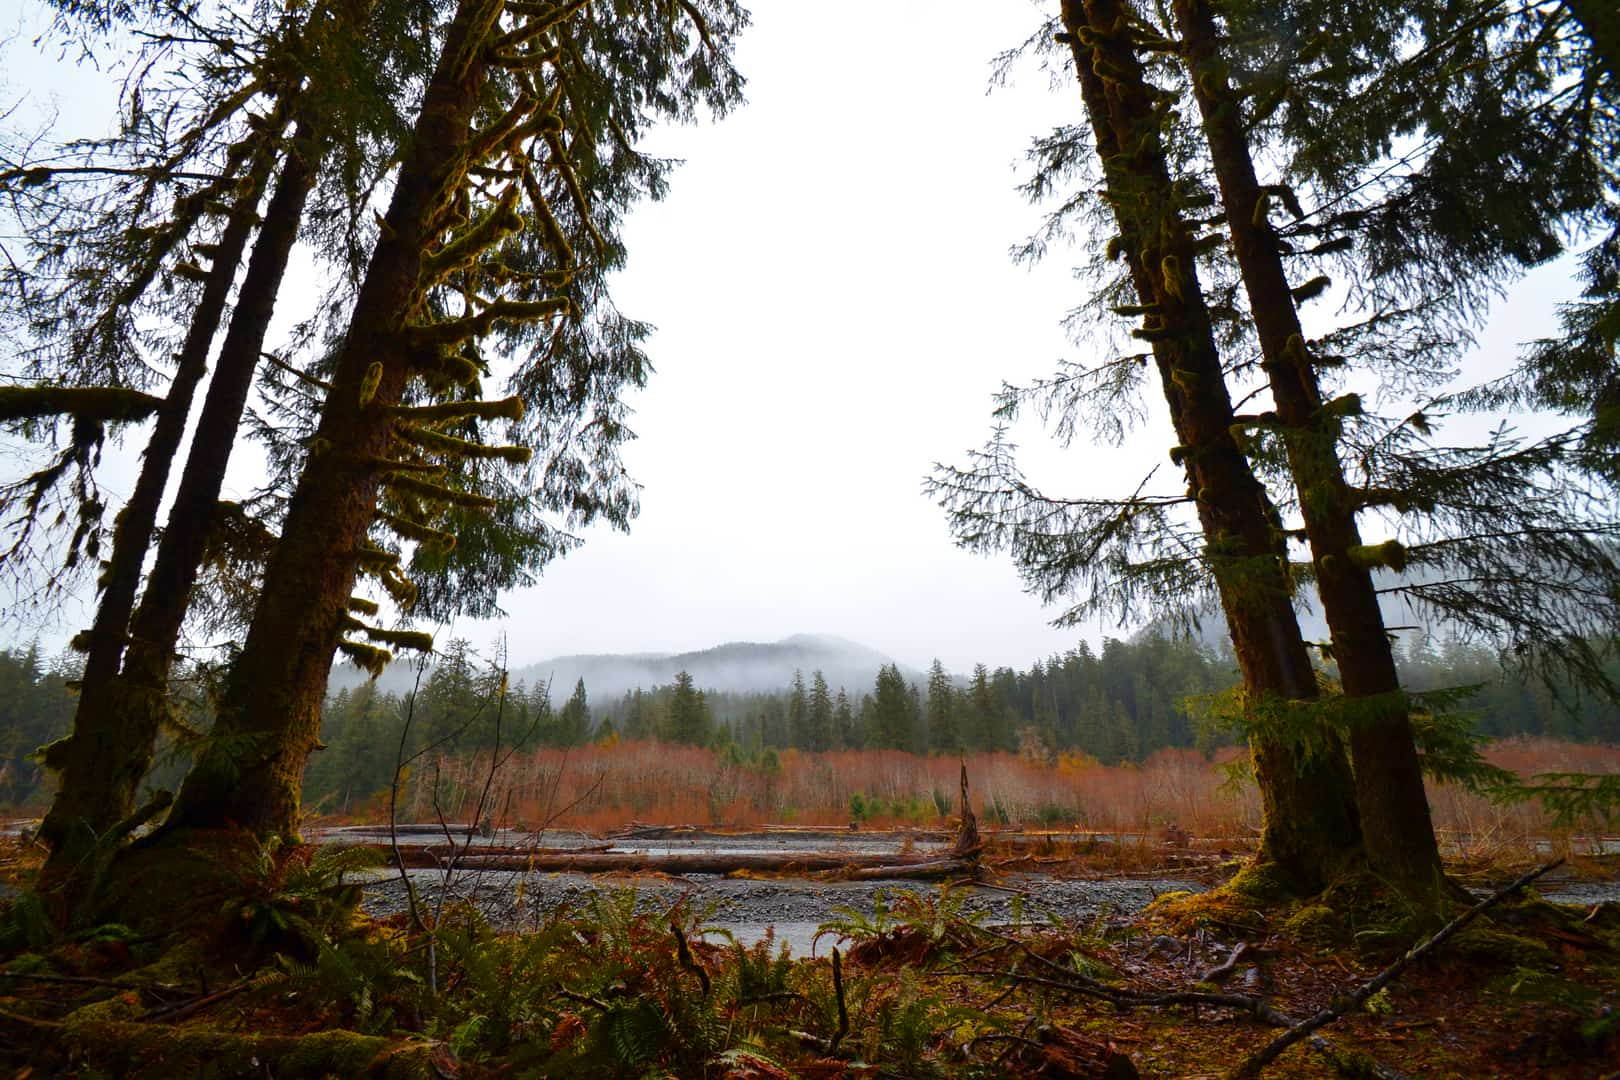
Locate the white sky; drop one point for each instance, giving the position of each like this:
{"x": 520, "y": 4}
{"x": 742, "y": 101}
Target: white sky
{"x": 835, "y": 307}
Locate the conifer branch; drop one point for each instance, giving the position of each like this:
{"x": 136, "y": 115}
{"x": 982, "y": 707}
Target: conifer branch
{"x": 437, "y": 493}
{"x": 368, "y": 658}
{"x": 112, "y": 404}
{"x": 440, "y": 443}
{"x": 416, "y": 640}
{"x": 395, "y": 467}
{"x": 422, "y": 534}
{"x": 308, "y": 380}
{"x": 468, "y": 327}
{"x": 463, "y": 250}
{"x": 507, "y": 408}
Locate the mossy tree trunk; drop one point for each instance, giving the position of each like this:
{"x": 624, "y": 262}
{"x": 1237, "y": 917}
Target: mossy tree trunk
{"x": 1388, "y": 774}
{"x": 249, "y": 774}
{"x": 1310, "y": 828}
{"x": 100, "y": 765}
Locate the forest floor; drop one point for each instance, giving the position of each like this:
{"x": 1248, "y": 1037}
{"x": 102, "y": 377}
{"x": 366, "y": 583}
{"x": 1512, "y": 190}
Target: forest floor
{"x": 1053, "y": 965}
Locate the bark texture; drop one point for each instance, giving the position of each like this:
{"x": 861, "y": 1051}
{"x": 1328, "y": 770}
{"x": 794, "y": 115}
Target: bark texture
{"x": 1394, "y": 808}
{"x": 1310, "y": 828}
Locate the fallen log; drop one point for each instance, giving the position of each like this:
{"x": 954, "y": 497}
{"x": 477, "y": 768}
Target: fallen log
{"x": 433, "y": 856}
{"x": 694, "y": 862}
{"x": 934, "y": 868}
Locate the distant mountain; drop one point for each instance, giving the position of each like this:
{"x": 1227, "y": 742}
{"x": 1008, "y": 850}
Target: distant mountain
{"x": 736, "y": 665}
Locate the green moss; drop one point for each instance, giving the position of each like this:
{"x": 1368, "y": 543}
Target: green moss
{"x": 1542, "y": 988}
{"x": 151, "y": 1051}
{"x": 1487, "y": 945}
{"x": 1316, "y": 925}
{"x": 1185, "y": 911}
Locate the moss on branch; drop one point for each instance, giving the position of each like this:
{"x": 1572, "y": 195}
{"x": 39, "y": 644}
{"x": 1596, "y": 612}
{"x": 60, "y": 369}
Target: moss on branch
{"x": 113, "y": 404}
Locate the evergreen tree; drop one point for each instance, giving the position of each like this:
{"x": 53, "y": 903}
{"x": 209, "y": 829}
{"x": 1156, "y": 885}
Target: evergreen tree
{"x": 453, "y": 264}
{"x": 689, "y": 718}
{"x": 798, "y": 713}
{"x": 849, "y": 731}
{"x": 943, "y": 732}
{"x": 822, "y": 733}
{"x": 574, "y": 721}
{"x": 890, "y": 723}
{"x": 980, "y": 712}
{"x": 1124, "y": 555}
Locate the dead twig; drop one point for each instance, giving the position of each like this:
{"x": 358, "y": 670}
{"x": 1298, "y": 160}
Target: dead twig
{"x": 181, "y": 1010}
{"x": 1225, "y": 968}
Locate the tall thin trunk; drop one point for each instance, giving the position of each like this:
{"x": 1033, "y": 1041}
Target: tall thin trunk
{"x": 1310, "y": 827}
{"x": 250, "y": 772}
{"x": 97, "y": 784}
{"x": 1389, "y": 777}
{"x": 132, "y": 705}
{"x": 155, "y": 630}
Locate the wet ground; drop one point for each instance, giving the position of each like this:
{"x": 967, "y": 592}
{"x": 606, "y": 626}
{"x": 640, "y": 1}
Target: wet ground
{"x": 746, "y": 908}
{"x": 791, "y": 909}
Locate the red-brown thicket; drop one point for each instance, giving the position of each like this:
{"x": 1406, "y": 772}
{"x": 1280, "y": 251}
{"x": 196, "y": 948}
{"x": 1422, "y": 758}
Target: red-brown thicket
{"x": 603, "y": 787}
{"x": 599, "y": 787}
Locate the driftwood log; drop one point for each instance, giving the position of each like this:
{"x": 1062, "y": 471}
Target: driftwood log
{"x": 691, "y": 862}
{"x": 960, "y": 860}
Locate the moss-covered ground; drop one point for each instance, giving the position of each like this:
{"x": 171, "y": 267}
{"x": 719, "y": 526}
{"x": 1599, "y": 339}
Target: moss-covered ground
{"x": 282, "y": 979}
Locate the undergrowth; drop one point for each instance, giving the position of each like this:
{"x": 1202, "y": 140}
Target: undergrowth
{"x": 919, "y": 986}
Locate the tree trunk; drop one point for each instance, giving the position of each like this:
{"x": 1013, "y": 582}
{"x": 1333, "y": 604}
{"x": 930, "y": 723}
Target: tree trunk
{"x": 250, "y": 772}
{"x": 1310, "y": 826}
{"x": 99, "y": 771}
{"x": 1389, "y": 779}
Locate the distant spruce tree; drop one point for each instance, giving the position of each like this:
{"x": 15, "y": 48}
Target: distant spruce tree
{"x": 798, "y": 713}
{"x": 820, "y": 727}
{"x": 574, "y": 719}
{"x": 944, "y": 733}
{"x": 845, "y": 723}
{"x": 689, "y": 718}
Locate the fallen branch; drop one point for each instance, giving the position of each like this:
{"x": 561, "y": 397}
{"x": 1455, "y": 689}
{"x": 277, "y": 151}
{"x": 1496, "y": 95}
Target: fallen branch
{"x": 1269, "y": 1053}
{"x": 183, "y": 1009}
{"x": 1062, "y": 978}
{"x": 1220, "y": 971}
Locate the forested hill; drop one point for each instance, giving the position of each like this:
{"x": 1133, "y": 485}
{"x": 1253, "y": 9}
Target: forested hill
{"x": 737, "y": 666}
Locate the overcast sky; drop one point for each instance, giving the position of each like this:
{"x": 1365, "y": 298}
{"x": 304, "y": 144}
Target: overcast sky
{"x": 835, "y": 307}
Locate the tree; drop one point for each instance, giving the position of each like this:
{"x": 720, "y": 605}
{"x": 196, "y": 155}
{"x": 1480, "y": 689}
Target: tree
{"x": 574, "y": 721}
{"x": 1393, "y": 806}
{"x": 980, "y": 713}
{"x": 452, "y": 265}
{"x": 798, "y": 713}
{"x": 689, "y": 718}
{"x": 820, "y": 729}
{"x": 1123, "y": 554}
{"x": 320, "y": 111}
{"x": 943, "y": 734}
{"x": 849, "y": 731}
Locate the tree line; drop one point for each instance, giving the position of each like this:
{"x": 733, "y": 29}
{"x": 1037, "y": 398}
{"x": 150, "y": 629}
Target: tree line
{"x": 1119, "y": 704}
